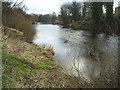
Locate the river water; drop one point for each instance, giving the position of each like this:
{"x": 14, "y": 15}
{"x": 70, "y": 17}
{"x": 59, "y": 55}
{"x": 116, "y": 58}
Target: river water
{"x": 81, "y": 53}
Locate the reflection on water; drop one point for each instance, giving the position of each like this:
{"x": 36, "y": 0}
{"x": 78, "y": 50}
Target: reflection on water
{"x": 80, "y": 53}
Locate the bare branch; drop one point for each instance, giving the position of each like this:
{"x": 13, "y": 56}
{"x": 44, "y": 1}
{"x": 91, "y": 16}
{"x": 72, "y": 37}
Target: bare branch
{"x": 16, "y": 4}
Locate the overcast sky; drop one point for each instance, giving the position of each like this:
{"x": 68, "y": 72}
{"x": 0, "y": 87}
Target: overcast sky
{"x": 49, "y": 6}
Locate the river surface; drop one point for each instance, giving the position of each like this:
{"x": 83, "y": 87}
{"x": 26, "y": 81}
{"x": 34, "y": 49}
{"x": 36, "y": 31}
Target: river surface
{"x": 81, "y": 53}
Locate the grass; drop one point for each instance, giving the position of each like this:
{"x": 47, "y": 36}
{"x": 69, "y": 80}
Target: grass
{"x": 26, "y": 65}
{"x": 46, "y": 65}
{"x": 16, "y": 69}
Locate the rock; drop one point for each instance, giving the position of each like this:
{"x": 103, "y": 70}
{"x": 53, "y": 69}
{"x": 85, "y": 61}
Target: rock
{"x": 91, "y": 54}
{"x": 30, "y": 42}
{"x": 85, "y": 42}
{"x": 65, "y": 41}
{"x": 53, "y": 53}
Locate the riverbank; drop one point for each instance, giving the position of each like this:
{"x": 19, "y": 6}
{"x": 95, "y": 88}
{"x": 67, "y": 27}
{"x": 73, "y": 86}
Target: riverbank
{"x": 26, "y": 65}
{"x": 90, "y": 26}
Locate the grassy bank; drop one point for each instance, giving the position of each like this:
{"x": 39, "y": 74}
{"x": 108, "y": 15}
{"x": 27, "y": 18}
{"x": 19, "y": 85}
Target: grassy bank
{"x": 27, "y": 65}
{"x": 22, "y": 61}
{"x": 17, "y": 72}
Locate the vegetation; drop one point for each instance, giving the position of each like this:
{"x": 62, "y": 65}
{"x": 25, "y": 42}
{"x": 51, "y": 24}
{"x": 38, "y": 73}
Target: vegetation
{"x": 75, "y": 12}
{"x": 17, "y": 70}
{"x": 48, "y": 18}
{"x": 97, "y": 12}
{"x": 26, "y": 65}
{"x": 93, "y": 14}
{"x": 70, "y": 13}
{"x": 65, "y": 16}
{"x": 14, "y": 70}
{"x": 75, "y": 25}
{"x": 85, "y": 8}
{"x": 14, "y": 16}
{"x": 109, "y": 12}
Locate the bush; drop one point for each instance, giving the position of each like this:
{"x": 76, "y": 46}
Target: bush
{"x": 75, "y": 25}
{"x": 20, "y": 22}
{"x": 18, "y": 19}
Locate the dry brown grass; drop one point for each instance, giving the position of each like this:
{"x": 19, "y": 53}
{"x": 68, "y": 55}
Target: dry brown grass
{"x": 18, "y": 19}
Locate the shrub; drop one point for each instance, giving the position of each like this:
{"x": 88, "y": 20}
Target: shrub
{"x": 20, "y": 22}
{"x": 75, "y": 25}
{"x": 18, "y": 19}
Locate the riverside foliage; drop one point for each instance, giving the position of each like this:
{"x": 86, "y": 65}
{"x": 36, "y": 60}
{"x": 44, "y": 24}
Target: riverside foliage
{"x": 92, "y": 12}
{"x": 14, "y": 16}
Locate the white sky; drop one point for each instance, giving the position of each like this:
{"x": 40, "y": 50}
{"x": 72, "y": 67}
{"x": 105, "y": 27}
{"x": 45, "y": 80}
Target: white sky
{"x": 49, "y": 6}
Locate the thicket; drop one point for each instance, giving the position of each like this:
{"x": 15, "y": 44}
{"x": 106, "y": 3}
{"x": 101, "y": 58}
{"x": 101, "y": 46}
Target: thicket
{"x": 14, "y": 16}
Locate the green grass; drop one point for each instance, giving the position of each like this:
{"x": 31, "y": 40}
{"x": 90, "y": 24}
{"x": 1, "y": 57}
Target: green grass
{"x": 14, "y": 70}
{"x": 46, "y": 65}
{"x": 17, "y": 69}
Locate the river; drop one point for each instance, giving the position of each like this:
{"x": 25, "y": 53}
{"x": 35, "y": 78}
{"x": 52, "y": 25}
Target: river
{"x": 81, "y": 53}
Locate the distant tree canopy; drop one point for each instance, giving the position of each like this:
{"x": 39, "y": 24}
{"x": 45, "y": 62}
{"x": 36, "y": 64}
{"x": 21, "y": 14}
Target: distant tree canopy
{"x": 70, "y": 12}
{"x": 97, "y": 11}
{"x": 47, "y": 18}
{"x": 65, "y": 15}
{"x": 109, "y": 11}
{"x": 85, "y": 8}
{"x": 14, "y": 15}
{"x": 89, "y": 11}
{"x": 75, "y": 10}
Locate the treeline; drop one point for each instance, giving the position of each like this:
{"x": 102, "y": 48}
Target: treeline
{"x": 99, "y": 15}
{"x": 47, "y": 18}
{"x": 14, "y": 16}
